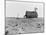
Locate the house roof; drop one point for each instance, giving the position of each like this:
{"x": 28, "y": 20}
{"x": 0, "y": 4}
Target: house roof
{"x": 30, "y": 11}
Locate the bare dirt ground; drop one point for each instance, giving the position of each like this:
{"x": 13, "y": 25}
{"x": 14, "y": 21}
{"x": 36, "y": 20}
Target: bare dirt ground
{"x": 24, "y": 26}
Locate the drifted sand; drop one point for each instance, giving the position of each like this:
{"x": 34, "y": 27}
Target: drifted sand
{"x": 24, "y": 26}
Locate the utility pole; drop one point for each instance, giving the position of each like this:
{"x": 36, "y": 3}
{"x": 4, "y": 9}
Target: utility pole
{"x": 18, "y": 15}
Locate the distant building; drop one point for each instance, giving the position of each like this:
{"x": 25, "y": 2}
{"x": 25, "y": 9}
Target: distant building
{"x": 31, "y": 14}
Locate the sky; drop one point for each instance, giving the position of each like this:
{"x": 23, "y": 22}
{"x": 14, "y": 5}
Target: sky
{"x": 14, "y": 9}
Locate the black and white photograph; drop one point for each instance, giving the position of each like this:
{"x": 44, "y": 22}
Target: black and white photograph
{"x": 24, "y": 17}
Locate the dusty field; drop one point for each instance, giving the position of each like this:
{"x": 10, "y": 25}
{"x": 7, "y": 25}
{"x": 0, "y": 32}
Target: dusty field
{"x": 24, "y": 26}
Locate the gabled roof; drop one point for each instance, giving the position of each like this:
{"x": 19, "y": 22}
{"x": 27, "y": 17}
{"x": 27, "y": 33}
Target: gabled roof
{"x": 30, "y": 11}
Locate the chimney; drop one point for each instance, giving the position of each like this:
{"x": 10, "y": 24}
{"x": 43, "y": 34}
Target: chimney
{"x": 35, "y": 9}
